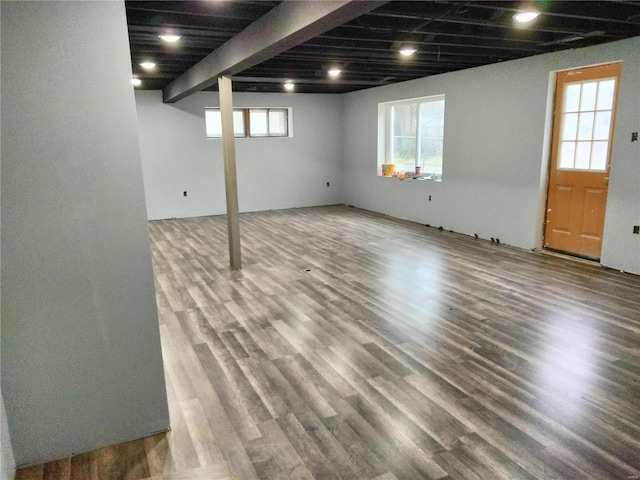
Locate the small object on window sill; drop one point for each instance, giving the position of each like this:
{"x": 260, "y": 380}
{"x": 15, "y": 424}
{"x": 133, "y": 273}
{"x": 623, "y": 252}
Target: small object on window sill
{"x": 388, "y": 169}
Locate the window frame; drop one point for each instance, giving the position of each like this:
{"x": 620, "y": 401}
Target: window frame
{"x": 386, "y": 132}
{"x": 246, "y": 114}
{"x": 217, "y": 109}
{"x": 268, "y": 117}
{"x": 563, "y": 112}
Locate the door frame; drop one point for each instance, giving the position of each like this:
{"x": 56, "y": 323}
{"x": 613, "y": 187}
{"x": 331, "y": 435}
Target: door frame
{"x": 545, "y": 169}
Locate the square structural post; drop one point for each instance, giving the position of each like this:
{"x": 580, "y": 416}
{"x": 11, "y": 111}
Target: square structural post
{"x": 230, "y": 178}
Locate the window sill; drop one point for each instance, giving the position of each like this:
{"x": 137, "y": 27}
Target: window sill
{"x": 420, "y": 178}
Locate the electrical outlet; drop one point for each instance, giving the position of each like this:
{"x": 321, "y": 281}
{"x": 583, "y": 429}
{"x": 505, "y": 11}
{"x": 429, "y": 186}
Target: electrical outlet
{"x": 429, "y": 197}
{"x": 184, "y": 194}
{"x": 636, "y": 229}
{"x": 328, "y": 184}
{"x": 634, "y": 136}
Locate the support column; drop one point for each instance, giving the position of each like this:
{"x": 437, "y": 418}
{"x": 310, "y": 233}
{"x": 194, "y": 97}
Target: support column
{"x": 230, "y": 178}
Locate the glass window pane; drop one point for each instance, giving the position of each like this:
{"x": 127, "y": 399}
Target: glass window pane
{"x": 432, "y": 114}
{"x": 431, "y": 136}
{"x": 585, "y": 126}
{"x": 588, "y": 98}
{"x": 567, "y": 153}
{"x": 605, "y": 94}
{"x": 238, "y": 123}
{"x": 583, "y": 155}
{"x": 258, "y": 123}
{"x": 572, "y": 98}
{"x": 599, "y": 155}
{"x": 603, "y": 126}
{"x": 213, "y": 123}
{"x": 570, "y": 126}
{"x": 278, "y": 123}
{"x": 404, "y": 150}
{"x": 404, "y": 134}
{"x": 431, "y": 155}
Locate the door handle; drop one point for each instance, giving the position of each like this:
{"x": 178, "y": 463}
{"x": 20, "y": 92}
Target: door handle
{"x": 606, "y": 179}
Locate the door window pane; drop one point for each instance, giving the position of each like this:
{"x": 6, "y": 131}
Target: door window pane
{"x": 599, "y": 156}
{"x": 588, "y": 98}
{"x": 606, "y": 88}
{"x": 572, "y": 98}
{"x": 567, "y": 154}
{"x": 583, "y": 155}
{"x": 603, "y": 126}
{"x": 570, "y": 126}
{"x": 585, "y": 126}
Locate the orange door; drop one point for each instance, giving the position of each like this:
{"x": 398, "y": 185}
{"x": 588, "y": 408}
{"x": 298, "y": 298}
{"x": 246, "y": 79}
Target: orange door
{"x": 580, "y": 159}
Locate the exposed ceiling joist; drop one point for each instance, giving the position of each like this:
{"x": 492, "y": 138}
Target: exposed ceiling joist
{"x": 287, "y": 25}
{"x": 314, "y": 81}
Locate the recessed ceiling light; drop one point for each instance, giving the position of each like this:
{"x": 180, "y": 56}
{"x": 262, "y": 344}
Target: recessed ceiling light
{"x": 148, "y": 65}
{"x": 289, "y": 85}
{"x": 170, "y": 38}
{"x": 526, "y": 16}
{"x": 136, "y": 81}
{"x": 407, "y": 50}
{"x": 334, "y": 72}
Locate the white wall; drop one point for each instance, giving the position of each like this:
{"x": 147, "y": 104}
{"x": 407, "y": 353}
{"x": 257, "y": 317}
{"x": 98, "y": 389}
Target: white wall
{"x": 496, "y": 152}
{"x": 7, "y": 462}
{"x": 273, "y": 173}
{"x": 81, "y": 359}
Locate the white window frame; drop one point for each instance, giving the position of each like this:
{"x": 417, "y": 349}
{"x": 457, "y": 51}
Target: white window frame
{"x": 246, "y": 113}
{"x": 269, "y": 132}
{"x": 385, "y": 131}
{"x": 242, "y": 134}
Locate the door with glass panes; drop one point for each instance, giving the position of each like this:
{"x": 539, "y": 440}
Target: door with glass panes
{"x": 584, "y": 114}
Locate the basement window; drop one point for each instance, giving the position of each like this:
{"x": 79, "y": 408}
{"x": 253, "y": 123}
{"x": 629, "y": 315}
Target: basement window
{"x": 251, "y": 122}
{"x": 268, "y": 122}
{"x": 213, "y": 123}
{"x": 411, "y": 137}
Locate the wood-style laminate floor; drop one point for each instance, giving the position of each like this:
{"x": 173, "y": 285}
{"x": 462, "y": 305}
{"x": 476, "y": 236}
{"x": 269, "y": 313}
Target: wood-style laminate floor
{"x": 355, "y": 346}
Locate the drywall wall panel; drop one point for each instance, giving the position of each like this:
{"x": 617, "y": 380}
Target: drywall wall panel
{"x": 495, "y": 152}
{"x": 273, "y": 173}
{"x": 81, "y": 358}
{"x": 7, "y": 462}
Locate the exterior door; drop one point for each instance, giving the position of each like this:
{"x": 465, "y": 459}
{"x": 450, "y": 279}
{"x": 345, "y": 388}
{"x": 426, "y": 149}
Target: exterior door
{"x": 585, "y": 102}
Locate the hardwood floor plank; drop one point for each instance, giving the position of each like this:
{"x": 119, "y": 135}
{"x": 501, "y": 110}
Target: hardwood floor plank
{"x": 310, "y": 454}
{"x": 392, "y": 458}
{"x": 59, "y": 469}
{"x": 30, "y": 473}
{"x": 83, "y": 467}
{"x": 357, "y": 346}
{"x": 230, "y": 398}
{"x": 274, "y": 456}
{"x": 305, "y": 385}
{"x": 159, "y": 455}
{"x": 342, "y": 461}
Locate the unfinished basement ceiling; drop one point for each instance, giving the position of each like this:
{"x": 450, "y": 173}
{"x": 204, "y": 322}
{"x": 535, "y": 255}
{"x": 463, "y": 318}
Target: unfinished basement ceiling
{"x": 448, "y": 35}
